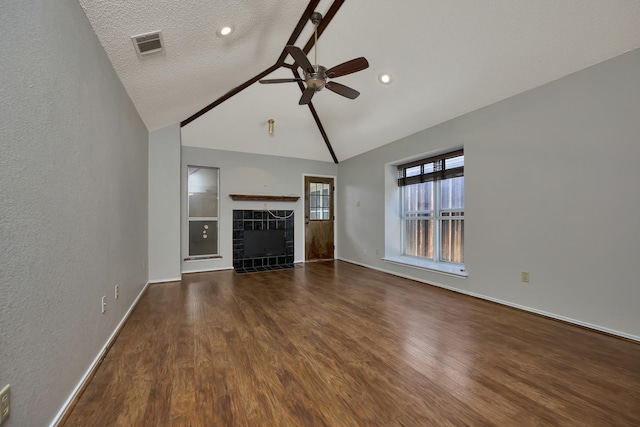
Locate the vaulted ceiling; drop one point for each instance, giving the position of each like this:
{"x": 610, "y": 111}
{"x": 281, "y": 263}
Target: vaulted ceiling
{"x": 446, "y": 58}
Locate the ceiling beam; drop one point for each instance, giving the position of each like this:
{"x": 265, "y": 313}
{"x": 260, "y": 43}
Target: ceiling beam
{"x": 229, "y": 94}
{"x": 306, "y": 15}
{"x": 304, "y": 19}
{"x": 322, "y": 132}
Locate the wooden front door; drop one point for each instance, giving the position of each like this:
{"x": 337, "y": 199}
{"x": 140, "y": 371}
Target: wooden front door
{"x": 318, "y": 218}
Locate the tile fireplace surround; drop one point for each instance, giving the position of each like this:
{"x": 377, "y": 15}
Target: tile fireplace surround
{"x": 262, "y": 220}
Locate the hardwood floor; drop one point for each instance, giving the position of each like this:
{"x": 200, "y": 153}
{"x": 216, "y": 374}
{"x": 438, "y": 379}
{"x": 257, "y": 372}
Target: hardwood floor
{"x": 334, "y": 344}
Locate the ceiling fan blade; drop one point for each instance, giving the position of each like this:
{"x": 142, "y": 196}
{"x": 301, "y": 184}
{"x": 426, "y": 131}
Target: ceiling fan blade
{"x": 342, "y": 90}
{"x": 301, "y": 59}
{"x": 306, "y": 96}
{"x": 280, "y": 81}
{"x": 348, "y": 67}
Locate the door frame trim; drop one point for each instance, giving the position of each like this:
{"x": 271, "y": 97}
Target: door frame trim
{"x": 335, "y": 214}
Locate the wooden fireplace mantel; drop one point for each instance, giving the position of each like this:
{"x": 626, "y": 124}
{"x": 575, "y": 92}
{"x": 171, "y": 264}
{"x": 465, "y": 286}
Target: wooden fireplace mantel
{"x": 262, "y": 198}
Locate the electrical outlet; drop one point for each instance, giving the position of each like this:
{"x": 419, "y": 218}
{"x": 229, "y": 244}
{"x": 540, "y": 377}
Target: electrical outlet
{"x": 117, "y": 291}
{"x": 377, "y": 251}
{"x": 104, "y": 304}
{"x": 525, "y": 277}
{"x": 5, "y": 403}
{"x": 358, "y": 203}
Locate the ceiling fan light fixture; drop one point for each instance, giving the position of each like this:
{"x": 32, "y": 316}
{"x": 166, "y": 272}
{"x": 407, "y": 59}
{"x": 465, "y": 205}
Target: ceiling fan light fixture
{"x": 317, "y": 79}
{"x": 385, "y": 78}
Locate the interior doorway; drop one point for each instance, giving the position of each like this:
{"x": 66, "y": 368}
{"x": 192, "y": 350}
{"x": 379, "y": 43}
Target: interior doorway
{"x": 319, "y": 218}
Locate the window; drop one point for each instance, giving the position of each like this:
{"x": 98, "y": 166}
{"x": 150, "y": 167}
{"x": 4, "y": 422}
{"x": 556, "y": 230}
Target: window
{"x": 202, "y": 211}
{"x": 319, "y": 201}
{"x": 432, "y": 207}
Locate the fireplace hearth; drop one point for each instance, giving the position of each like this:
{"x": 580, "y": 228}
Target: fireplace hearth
{"x": 262, "y": 240}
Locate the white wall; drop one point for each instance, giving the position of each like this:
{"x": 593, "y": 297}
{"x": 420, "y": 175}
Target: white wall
{"x": 551, "y": 181}
{"x": 164, "y": 204}
{"x": 242, "y": 173}
{"x": 73, "y": 203}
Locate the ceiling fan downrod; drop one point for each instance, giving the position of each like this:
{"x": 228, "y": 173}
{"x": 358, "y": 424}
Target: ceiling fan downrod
{"x": 315, "y": 18}
{"x": 316, "y": 79}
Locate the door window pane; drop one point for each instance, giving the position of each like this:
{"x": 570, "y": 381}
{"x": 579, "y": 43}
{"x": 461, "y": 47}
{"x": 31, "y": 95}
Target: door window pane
{"x": 319, "y": 201}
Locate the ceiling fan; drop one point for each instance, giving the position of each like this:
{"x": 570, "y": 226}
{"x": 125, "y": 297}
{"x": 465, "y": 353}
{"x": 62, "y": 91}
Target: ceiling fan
{"x": 316, "y": 76}
{"x": 340, "y": 70}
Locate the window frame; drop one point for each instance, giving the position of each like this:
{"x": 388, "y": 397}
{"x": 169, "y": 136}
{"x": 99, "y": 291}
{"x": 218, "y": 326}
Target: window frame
{"x": 435, "y": 175}
{"x": 216, "y": 219}
{"x": 324, "y": 200}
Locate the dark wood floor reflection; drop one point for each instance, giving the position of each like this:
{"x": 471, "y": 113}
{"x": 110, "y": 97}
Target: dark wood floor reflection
{"x": 334, "y": 344}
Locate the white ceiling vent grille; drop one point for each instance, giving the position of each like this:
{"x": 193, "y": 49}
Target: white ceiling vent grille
{"x": 148, "y": 44}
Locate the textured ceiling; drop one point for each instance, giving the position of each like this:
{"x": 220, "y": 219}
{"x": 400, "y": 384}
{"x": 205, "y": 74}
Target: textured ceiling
{"x": 447, "y": 58}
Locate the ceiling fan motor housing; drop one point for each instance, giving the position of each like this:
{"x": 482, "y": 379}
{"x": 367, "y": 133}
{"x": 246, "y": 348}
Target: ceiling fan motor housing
{"x": 317, "y": 79}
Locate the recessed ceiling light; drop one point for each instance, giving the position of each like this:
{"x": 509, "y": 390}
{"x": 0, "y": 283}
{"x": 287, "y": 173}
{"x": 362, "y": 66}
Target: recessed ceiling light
{"x": 225, "y": 31}
{"x": 384, "y": 78}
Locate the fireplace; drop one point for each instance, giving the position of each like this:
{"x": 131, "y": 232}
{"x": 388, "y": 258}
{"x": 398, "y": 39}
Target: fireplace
{"x": 262, "y": 240}
{"x": 264, "y": 243}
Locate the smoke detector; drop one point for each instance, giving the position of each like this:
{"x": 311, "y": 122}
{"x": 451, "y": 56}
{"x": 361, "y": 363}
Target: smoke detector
{"x": 148, "y": 44}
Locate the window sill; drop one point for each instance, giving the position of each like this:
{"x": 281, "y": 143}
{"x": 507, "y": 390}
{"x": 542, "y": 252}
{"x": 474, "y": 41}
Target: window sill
{"x": 202, "y": 257}
{"x": 455, "y": 270}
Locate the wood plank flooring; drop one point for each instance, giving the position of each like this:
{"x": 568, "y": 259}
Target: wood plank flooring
{"x": 334, "y": 344}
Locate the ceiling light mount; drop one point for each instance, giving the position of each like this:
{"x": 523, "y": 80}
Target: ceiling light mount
{"x": 316, "y": 18}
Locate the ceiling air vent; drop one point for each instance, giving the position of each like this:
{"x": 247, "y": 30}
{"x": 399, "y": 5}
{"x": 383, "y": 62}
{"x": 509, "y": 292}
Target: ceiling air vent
{"x": 148, "y": 44}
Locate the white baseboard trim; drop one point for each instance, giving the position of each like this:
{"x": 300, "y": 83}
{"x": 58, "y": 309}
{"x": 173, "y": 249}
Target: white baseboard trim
{"x": 153, "y": 282}
{"x": 87, "y": 375}
{"x": 503, "y": 302}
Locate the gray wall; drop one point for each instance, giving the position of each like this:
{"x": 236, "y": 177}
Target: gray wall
{"x": 242, "y": 173}
{"x": 164, "y": 204}
{"x": 551, "y": 188}
{"x": 73, "y": 203}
